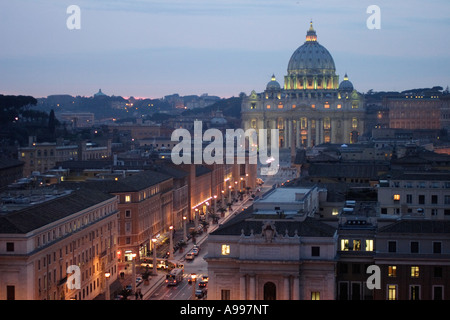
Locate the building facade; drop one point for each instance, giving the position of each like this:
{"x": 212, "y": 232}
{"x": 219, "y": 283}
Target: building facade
{"x": 420, "y": 194}
{"x": 39, "y": 243}
{"x": 263, "y": 254}
{"x": 413, "y": 256}
{"x": 312, "y": 107}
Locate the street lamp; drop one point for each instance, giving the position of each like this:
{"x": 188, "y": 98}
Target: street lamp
{"x": 171, "y": 242}
{"x": 133, "y": 281}
{"x": 107, "y": 294}
{"x": 154, "y": 256}
{"x": 184, "y": 229}
{"x": 215, "y": 204}
{"x": 196, "y": 218}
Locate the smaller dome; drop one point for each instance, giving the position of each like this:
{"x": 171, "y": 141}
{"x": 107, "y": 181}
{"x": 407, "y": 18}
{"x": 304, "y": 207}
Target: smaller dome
{"x": 273, "y": 84}
{"x": 346, "y": 85}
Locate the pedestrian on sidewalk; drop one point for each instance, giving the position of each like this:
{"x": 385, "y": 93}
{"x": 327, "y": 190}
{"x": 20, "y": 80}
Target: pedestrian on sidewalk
{"x": 141, "y": 295}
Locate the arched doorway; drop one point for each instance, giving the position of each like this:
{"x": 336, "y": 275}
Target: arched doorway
{"x": 270, "y": 291}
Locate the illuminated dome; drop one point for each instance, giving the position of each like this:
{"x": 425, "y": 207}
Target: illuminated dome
{"x": 311, "y": 57}
{"x": 273, "y": 84}
{"x": 311, "y": 66}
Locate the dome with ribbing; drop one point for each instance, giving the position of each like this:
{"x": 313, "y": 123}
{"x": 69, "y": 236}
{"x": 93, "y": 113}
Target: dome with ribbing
{"x": 311, "y": 58}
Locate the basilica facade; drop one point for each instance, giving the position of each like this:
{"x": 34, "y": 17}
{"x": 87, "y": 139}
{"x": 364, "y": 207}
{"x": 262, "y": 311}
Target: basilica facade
{"x": 312, "y": 107}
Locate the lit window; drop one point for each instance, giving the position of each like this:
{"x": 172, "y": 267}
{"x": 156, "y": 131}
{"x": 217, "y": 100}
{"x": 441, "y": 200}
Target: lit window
{"x": 128, "y": 198}
{"x": 392, "y": 271}
{"x": 354, "y": 123}
{"x": 268, "y": 106}
{"x": 392, "y": 292}
{"x": 356, "y": 245}
{"x": 315, "y": 295}
{"x": 225, "y": 249}
{"x": 326, "y": 106}
{"x": 280, "y": 106}
{"x": 313, "y": 106}
{"x": 293, "y": 106}
{"x": 369, "y": 245}
{"x": 414, "y": 272}
{"x": 396, "y": 197}
{"x": 335, "y": 211}
{"x": 339, "y": 106}
{"x": 344, "y": 244}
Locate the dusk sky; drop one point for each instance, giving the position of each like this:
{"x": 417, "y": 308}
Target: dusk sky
{"x": 153, "y": 48}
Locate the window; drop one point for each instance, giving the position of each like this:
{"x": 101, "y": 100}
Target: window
{"x": 369, "y": 245}
{"x": 414, "y": 292}
{"x": 225, "y": 249}
{"x": 10, "y": 246}
{"x": 315, "y": 251}
{"x": 225, "y": 294}
{"x": 356, "y": 245}
{"x": 326, "y": 124}
{"x": 421, "y": 199}
{"x": 392, "y": 246}
{"x": 127, "y": 198}
{"x": 392, "y": 271}
{"x": 414, "y": 272}
{"x": 414, "y": 246}
{"x": 437, "y": 247}
{"x": 396, "y": 197}
{"x": 392, "y": 292}
{"x": 344, "y": 244}
{"x": 438, "y": 293}
{"x": 434, "y": 199}
{"x": 127, "y": 213}
{"x": 315, "y": 295}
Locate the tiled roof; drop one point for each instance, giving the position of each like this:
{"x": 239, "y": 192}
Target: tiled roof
{"x": 34, "y": 217}
{"x": 417, "y": 226}
{"x": 309, "y": 227}
{"x": 133, "y": 183}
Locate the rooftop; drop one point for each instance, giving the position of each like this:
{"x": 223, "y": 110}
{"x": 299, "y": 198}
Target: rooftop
{"x": 39, "y": 215}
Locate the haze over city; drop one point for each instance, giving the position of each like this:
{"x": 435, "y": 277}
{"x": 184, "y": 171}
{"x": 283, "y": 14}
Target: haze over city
{"x": 156, "y": 48}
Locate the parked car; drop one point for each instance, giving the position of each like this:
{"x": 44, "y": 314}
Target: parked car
{"x": 202, "y": 284}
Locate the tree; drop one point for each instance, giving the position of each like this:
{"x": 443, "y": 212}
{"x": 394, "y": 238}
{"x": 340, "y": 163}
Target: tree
{"x": 12, "y": 106}
{"x": 52, "y": 123}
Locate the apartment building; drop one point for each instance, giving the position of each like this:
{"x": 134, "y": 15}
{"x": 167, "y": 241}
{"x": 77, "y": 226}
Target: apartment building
{"x": 422, "y": 194}
{"x": 414, "y": 260}
{"x": 145, "y": 209}
{"x": 38, "y": 244}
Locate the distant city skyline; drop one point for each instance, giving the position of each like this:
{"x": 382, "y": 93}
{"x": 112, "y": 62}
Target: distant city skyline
{"x": 161, "y": 47}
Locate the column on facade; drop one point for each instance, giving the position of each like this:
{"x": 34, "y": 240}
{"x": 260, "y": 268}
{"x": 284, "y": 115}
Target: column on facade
{"x": 252, "y": 288}
{"x": 286, "y": 288}
{"x": 290, "y": 135}
{"x": 297, "y": 134}
{"x": 318, "y": 129}
{"x": 296, "y": 289}
{"x": 243, "y": 289}
{"x": 308, "y": 123}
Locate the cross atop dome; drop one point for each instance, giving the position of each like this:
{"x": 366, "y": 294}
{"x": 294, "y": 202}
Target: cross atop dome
{"x": 311, "y": 34}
